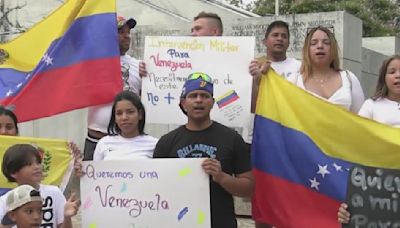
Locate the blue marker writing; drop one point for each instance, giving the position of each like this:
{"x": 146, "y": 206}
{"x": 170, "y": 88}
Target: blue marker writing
{"x": 183, "y": 213}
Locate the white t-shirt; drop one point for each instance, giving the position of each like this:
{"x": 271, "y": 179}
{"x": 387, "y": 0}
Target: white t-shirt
{"x": 382, "y": 110}
{"x": 53, "y": 205}
{"x": 99, "y": 116}
{"x": 285, "y": 68}
{"x": 117, "y": 147}
{"x": 350, "y": 95}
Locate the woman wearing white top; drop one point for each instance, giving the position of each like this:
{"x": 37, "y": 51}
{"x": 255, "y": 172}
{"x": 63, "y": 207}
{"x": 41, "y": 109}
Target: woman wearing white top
{"x": 126, "y": 138}
{"x": 320, "y": 72}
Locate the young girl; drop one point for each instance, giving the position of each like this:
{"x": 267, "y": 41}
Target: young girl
{"x": 8, "y": 122}
{"x": 384, "y": 106}
{"x": 126, "y": 138}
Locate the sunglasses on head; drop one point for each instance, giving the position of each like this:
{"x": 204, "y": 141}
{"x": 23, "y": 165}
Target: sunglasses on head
{"x": 197, "y": 75}
{"x": 329, "y": 27}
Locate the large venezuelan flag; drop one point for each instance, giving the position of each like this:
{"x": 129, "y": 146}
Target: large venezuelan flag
{"x": 67, "y": 61}
{"x": 56, "y": 160}
{"x": 302, "y": 149}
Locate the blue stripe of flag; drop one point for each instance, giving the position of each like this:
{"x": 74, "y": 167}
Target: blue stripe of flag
{"x": 293, "y": 156}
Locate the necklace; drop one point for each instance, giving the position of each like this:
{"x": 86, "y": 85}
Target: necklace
{"x": 321, "y": 81}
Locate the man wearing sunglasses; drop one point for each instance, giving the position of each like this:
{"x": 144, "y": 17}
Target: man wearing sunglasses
{"x": 228, "y": 155}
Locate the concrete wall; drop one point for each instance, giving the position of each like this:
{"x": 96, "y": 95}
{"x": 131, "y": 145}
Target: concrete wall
{"x": 371, "y": 63}
{"x": 386, "y": 45}
{"x": 375, "y": 51}
{"x": 70, "y": 126}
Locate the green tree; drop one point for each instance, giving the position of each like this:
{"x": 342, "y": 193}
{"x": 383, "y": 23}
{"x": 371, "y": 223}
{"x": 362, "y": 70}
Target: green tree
{"x": 380, "y": 17}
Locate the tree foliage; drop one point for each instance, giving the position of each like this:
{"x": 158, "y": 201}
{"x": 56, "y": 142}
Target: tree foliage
{"x": 380, "y": 17}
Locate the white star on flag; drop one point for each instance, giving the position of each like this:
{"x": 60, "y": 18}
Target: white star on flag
{"x": 9, "y": 92}
{"x": 314, "y": 183}
{"x": 338, "y": 167}
{"x": 48, "y": 61}
{"x": 44, "y": 57}
{"x": 19, "y": 85}
{"x": 323, "y": 170}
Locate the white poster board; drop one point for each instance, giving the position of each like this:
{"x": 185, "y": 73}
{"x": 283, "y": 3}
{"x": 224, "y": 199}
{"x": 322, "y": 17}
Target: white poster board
{"x": 170, "y": 60}
{"x": 150, "y": 193}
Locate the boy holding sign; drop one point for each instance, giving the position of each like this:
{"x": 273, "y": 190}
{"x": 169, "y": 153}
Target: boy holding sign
{"x": 229, "y": 158}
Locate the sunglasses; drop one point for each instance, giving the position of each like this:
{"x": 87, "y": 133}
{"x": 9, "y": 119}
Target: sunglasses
{"x": 197, "y": 75}
{"x": 329, "y": 27}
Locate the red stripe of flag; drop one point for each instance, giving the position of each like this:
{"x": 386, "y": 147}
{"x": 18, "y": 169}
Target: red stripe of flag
{"x": 288, "y": 205}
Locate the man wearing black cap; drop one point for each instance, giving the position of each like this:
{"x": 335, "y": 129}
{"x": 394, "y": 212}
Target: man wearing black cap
{"x": 228, "y": 160}
{"x": 131, "y": 72}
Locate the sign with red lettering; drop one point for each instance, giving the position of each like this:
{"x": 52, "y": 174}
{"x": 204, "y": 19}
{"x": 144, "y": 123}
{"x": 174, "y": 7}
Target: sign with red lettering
{"x": 169, "y": 62}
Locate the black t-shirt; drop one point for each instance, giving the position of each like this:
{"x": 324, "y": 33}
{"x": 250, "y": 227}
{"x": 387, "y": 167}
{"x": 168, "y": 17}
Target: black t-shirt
{"x": 217, "y": 141}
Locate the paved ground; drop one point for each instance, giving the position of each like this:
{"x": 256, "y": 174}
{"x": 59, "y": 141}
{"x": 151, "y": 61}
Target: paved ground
{"x": 243, "y": 222}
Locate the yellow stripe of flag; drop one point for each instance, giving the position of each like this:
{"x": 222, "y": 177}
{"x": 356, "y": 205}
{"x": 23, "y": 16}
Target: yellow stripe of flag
{"x": 26, "y": 50}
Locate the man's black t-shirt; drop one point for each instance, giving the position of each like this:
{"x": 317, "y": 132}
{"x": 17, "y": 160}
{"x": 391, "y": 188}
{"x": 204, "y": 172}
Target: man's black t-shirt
{"x": 219, "y": 142}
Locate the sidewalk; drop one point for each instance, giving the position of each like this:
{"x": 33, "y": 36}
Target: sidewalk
{"x": 242, "y": 222}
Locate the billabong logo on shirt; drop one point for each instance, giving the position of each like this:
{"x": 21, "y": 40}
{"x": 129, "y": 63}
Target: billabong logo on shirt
{"x": 197, "y": 151}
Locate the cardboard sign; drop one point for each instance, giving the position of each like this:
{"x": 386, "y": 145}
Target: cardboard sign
{"x": 145, "y": 193}
{"x": 373, "y": 197}
{"x": 169, "y": 62}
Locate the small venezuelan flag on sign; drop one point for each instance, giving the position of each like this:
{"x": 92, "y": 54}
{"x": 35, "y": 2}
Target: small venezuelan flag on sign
{"x": 227, "y": 98}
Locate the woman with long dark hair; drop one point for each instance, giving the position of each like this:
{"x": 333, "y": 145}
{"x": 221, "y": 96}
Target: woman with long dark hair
{"x": 126, "y": 138}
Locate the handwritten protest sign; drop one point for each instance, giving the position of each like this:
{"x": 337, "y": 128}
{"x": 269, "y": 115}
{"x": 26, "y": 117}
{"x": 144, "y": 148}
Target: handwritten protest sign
{"x": 373, "y": 197}
{"x": 145, "y": 193}
{"x": 170, "y": 60}
{"x": 56, "y": 159}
